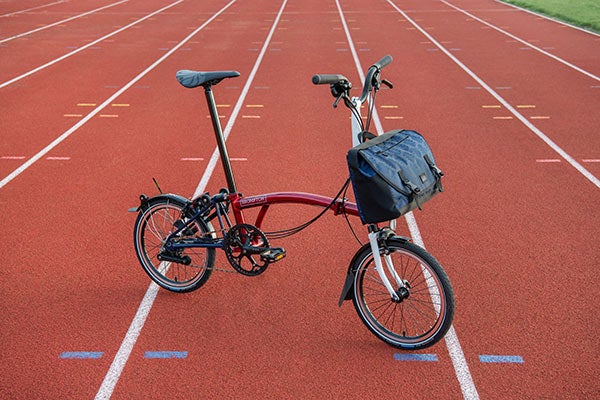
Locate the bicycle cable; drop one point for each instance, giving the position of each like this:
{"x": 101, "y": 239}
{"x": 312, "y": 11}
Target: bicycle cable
{"x": 346, "y": 217}
{"x": 291, "y": 231}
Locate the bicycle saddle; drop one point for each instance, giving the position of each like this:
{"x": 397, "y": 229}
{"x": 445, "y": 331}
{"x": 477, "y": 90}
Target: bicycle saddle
{"x": 192, "y": 79}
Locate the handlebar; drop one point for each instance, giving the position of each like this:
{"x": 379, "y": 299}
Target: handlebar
{"x": 340, "y": 84}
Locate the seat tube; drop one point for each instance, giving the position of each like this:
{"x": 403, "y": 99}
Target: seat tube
{"x": 214, "y": 116}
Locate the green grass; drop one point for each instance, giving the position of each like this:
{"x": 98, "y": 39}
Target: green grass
{"x": 583, "y": 13}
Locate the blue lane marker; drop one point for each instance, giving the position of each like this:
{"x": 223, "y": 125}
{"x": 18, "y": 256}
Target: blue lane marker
{"x": 415, "y": 357}
{"x": 165, "y": 354}
{"x": 81, "y": 354}
{"x": 486, "y": 358}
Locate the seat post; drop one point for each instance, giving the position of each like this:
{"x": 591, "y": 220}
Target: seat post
{"x": 214, "y": 116}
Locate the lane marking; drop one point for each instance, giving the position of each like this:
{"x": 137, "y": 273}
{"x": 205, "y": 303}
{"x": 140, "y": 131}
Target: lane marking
{"x": 560, "y": 60}
{"x": 116, "y": 368}
{"x": 591, "y": 160}
{"x": 62, "y": 21}
{"x": 487, "y": 358}
{"x": 192, "y": 159}
{"x": 12, "y": 157}
{"x": 503, "y": 118}
{"x": 548, "y": 160}
{"x": 165, "y": 354}
{"x": 541, "y": 17}
{"x": 31, "y": 9}
{"x": 81, "y": 355}
{"x": 71, "y": 116}
{"x": 525, "y": 105}
{"x": 492, "y": 106}
{"x": 236, "y": 109}
{"x": 457, "y": 356}
{"x": 48, "y": 64}
{"x": 58, "y": 158}
{"x": 540, "y": 117}
{"x": 86, "y": 104}
{"x": 587, "y": 174}
{"x": 415, "y": 357}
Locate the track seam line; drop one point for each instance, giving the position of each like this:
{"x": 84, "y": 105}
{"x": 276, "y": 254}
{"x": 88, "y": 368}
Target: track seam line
{"x": 61, "y": 22}
{"x": 79, "y": 49}
{"x": 461, "y": 368}
{"x": 587, "y": 174}
{"x": 510, "y": 35}
{"x": 137, "y": 323}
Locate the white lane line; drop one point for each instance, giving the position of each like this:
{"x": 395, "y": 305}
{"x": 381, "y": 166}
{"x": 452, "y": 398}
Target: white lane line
{"x": 112, "y": 376}
{"x": 33, "y": 71}
{"x": 547, "y": 17}
{"x": 238, "y": 106}
{"x": 587, "y": 174}
{"x": 116, "y": 368}
{"x": 31, "y": 9}
{"x": 61, "y": 22}
{"x": 95, "y": 111}
{"x": 528, "y": 44}
{"x": 457, "y": 356}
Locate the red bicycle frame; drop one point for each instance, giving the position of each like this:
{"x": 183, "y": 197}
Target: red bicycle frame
{"x": 264, "y": 201}
{"x": 239, "y": 203}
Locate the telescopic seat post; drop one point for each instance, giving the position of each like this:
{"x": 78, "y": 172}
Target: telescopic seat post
{"x": 214, "y": 116}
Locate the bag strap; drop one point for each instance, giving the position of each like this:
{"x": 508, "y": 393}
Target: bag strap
{"x": 414, "y": 189}
{"x": 436, "y": 172}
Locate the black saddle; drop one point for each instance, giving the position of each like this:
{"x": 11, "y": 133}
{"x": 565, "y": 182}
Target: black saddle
{"x": 192, "y": 79}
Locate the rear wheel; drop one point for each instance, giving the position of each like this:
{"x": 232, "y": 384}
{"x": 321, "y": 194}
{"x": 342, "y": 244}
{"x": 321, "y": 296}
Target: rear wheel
{"x": 159, "y": 218}
{"x": 423, "y": 313}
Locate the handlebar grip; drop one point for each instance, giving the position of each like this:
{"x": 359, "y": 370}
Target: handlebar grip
{"x": 383, "y": 62}
{"x": 322, "y": 79}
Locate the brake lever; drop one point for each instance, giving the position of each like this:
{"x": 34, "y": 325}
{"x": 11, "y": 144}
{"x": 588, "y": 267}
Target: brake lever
{"x": 335, "y": 103}
{"x": 387, "y": 83}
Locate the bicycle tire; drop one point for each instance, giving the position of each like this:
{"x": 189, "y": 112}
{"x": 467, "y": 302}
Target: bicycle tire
{"x": 154, "y": 222}
{"x": 419, "y": 320}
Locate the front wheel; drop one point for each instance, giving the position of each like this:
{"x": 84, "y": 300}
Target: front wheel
{"x": 423, "y": 309}
{"x": 187, "y": 269}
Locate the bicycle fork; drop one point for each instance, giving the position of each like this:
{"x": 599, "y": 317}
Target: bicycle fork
{"x": 374, "y": 238}
{"x": 384, "y": 268}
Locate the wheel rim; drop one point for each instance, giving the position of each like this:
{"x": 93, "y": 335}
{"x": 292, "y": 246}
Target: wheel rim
{"x": 157, "y": 223}
{"x": 414, "y": 320}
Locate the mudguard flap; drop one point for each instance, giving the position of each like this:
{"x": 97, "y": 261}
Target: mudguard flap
{"x": 346, "y": 295}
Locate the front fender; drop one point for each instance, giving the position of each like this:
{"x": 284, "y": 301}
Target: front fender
{"x": 349, "y": 282}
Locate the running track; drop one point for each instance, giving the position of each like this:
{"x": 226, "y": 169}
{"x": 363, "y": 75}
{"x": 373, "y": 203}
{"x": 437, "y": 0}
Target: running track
{"x": 91, "y": 111}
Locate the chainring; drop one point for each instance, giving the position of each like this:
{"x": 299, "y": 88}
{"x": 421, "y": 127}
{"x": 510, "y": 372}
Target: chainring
{"x": 243, "y": 245}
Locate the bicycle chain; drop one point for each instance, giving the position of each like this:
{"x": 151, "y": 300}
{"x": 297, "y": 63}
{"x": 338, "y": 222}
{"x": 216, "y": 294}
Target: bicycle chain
{"x": 213, "y": 268}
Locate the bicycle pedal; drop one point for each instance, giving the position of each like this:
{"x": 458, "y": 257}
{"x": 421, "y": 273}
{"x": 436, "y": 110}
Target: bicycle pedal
{"x": 273, "y": 254}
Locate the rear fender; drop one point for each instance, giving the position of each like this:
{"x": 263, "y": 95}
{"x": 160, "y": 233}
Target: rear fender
{"x": 145, "y": 201}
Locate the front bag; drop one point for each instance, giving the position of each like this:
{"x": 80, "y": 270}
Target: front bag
{"x": 392, "y": 174}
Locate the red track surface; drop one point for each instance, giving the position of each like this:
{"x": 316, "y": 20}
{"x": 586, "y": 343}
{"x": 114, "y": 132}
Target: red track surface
{"x": 517, "y": 236}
